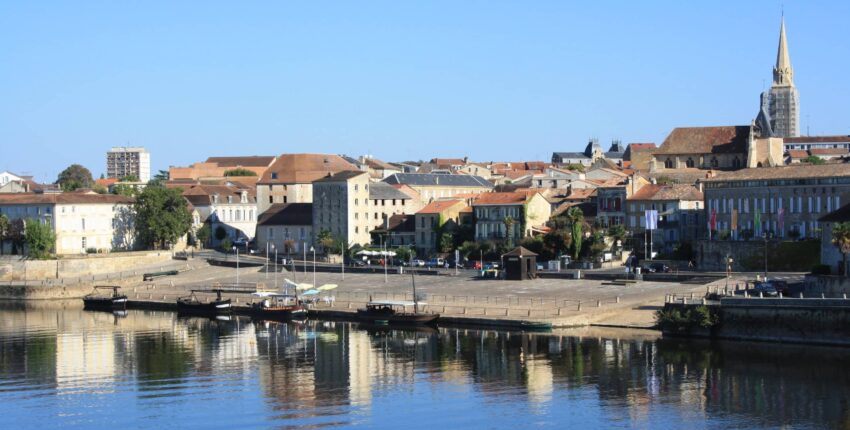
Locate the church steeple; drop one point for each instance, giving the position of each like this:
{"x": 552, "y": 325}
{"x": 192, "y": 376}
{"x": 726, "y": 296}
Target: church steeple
{"x": 783, "y": 73}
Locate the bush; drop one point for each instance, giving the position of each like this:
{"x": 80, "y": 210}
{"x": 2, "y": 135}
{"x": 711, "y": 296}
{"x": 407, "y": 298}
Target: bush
{"x": 226, "y": 244}
{"x": 676, "y": 319}
{"x": 91, "y": 250}
{"x": 821, "y": 269}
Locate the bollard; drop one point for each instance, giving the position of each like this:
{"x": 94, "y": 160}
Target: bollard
{"x": 703, "y": 300}
{"x": 599, "y": 303}
{"x": 579, "y": 305}
{"x": 529, "y": 312}
{"x": 746, "y": 294}
{"x": 506, "y": 311}
{"x": 761, "y": 295}
{"x": 692, "y": 296}
{"x": 780, "y": 294}
{"x": 559, "y": 311}
{"x": 801, "y": 294}
{"x": 844, "y": 296}
{"x": 464, "y": 310}
{"x": 822, "y": 296}
{"x": 618, "y": 299}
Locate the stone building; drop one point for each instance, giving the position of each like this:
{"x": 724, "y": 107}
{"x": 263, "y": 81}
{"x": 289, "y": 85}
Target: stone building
{"x": 215, "y": 167}
{"x": 290, "y": 178}
{"x": 718, "y": 148}
{"x": 779, "y": 113}
{"x": 289, "y": 227}
{"x": 638, "y": 155}
{"x": 341, "y": 207}
{"x": 442, "y": 215}
{"x": 432, "y": 186}
{"x": 529, "y": 210}
{"x": 787, "y": 200}
{"x": 81, "y": 221}
{"x": 230, "y": 207}
{"x": 679, "y": 207}
{"x": 829, "y": 253}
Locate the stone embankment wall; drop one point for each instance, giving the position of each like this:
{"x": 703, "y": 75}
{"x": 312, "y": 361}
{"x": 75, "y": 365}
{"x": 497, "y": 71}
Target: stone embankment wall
{"x": 15, "y": 269}
{"x": 748, "y": 255}
{"x": 816, "y": 321}
{"x": 54, "y": 292}
{"x": 829, "y": 286}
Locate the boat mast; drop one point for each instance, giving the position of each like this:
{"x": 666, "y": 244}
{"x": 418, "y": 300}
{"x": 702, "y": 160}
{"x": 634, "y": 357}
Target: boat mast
{"x": 415, "y": 302}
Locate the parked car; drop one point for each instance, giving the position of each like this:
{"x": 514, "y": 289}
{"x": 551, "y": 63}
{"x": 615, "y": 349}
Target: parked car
{"x": 659, "y": 268}
{"x": 417, "y": 263}
{"x": 491, "y": 265}
{"x": 473, "y": 264}
{"x": 436, "y": 262}
{"x": 767, "y": 289}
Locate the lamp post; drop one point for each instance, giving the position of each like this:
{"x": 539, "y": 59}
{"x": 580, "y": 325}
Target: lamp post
{"x": 764, "y": 235}
{"x": 342, "y": 260}
{"x": 275, "y": 265}
{"x": 304, "y": 247}
{"x": 235, "y": 249}
{"x": 267, "y": 259}
{"x": 313, "y": 250}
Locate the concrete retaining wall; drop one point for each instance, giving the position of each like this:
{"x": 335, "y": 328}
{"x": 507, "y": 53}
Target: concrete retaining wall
{"x": 830, "y": 286}
{"x": 15, "y": 269}
{"x": 54, "y": 292}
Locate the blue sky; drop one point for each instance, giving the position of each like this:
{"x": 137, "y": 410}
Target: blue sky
{"x": 493, "y": 80}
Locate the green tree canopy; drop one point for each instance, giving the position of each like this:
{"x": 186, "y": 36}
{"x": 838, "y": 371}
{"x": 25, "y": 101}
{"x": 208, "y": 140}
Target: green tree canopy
{"x": 40, "y": 239}
{"x": 203, "y": 235}
{"x": 5, "y": 230}
{"x": 129, "y": 178}
{"x": 813, "y": 159}
{"x": 841, "y": 240}
{"x": 162, "y": 216}
{"x": 239, "y": 171}
{"x": 75, "y": 177}
{"x": 575, "y": 217}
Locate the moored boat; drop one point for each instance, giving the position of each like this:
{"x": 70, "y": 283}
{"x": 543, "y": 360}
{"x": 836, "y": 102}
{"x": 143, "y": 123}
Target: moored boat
{"x": 192, "y": 304}
{"x": 395, "y": 312}
{"x": 273, "y": 305}
{"x": 98, "y": 300}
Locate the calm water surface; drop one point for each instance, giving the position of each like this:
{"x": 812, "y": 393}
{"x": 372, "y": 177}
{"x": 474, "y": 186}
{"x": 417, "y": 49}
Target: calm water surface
{"x": 62, "y": 367}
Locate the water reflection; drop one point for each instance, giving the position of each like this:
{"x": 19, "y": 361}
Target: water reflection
{"x": 71, "y": 365}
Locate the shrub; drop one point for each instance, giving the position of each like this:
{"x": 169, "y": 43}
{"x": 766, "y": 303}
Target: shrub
{"x": 686, "y": 319}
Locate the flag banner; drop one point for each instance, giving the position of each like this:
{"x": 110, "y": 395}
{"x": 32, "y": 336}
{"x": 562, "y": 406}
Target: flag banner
{"x": 757, "y": 222}
{"x": 734, "y": 219}
{"x": 781, "y": 219}
{"x": 713, "y": 221}
{"x": 651, "y": 219}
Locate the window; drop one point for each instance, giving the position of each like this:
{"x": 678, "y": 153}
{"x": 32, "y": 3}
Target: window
{"x": 84, "y": 224}
{"x": 668, "y": 163}
{"x": 83, "y": 242}
{"x": 271, "y": 232}
{"x": 690, "y": 162}
{"x": 714, "y": 162}
{"x": 274, "y": 175}
{"x": 736, "y": 163}
{"x": 271, "y": 199}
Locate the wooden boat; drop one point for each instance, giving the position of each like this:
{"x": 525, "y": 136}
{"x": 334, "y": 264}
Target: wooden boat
{"x": 395, "y": 312}
{"x": 191, "y": 304}
{"x": 98, "y": 300}
{"x": 278, "y": 306}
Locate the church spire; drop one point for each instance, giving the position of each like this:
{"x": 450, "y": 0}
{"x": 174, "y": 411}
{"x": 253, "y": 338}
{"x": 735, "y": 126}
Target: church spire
{"x": 783, "y": 73}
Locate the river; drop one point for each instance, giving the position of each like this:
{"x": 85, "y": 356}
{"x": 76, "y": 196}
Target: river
{"x": 63, "y": 367}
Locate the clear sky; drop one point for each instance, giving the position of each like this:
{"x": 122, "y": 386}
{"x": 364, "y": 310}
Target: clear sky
{"x": 493, "y": 80}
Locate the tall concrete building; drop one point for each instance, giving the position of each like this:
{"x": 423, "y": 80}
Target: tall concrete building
{"x": 122, "y": 161}
{"x": 779, "y": 115}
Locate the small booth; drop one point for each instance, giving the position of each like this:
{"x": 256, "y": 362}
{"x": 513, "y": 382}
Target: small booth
{"x": 520, "y": 264}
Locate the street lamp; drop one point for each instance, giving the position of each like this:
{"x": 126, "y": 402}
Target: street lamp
{"x": 342, "y": 254}
{"x": 275, "y": 265}
{"x": 764, "y": 235}
{"x": 313, "y": 250}
{"x": 235, "y": 249}
{"x": 267, "y": 260}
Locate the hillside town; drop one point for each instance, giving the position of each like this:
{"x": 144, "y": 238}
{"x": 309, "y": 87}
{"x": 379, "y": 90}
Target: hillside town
{"x": 760, "y": 180}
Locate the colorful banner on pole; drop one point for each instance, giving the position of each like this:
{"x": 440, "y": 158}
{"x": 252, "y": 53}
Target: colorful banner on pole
{"x": 734, "y": 220}
{"x": 712, "y": 222}
{"x": 651, "y": 219}
{"x": 781, "y": 220}
{"x": 757, "y": 222}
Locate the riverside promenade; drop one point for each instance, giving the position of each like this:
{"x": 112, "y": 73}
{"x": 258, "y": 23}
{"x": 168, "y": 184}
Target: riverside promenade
{"x": 460, "y": 299}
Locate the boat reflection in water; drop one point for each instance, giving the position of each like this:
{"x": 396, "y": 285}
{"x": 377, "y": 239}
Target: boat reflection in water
{"x": 75, "y": 367}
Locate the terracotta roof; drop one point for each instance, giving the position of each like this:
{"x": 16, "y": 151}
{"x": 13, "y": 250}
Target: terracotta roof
{"x": 581, "y": 194}
{"x": 443, "y": 162}
{"x": 201, "y": 195}
{"x": 828, "y": 151}
{"x": 515, "y": 174}
{"x": 841, "y": 214}
{"x": 287, "y": 214}
{"x": 438, "y": 206}
{"x": 106, "y": 181}
{"x": 817, "y": 139}
{"x": 642, "y": 146}
{"x": 706, "y": 140}
{"x": 304, "y": 168}
{"x": 798, "y": 153}
{"x": 514, "y": 198}
{"x": 62, "y": 198}
{"x": 793, "y": 171}
{"x": 247, "y": 161}
{"x": 668, "y": 192}
{"x": 378, "y": 164}
{"x": 399, "y": 223}
{"x": 519, "y": 252}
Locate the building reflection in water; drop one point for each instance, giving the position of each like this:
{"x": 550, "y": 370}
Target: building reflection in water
{"x": 339, "y": 373}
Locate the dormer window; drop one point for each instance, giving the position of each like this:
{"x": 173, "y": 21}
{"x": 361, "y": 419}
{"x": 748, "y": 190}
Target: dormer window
{"x": 274, "y": 175}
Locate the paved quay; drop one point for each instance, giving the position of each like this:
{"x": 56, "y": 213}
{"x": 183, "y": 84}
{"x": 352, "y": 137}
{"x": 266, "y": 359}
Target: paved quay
{"x": 559, "y": 302}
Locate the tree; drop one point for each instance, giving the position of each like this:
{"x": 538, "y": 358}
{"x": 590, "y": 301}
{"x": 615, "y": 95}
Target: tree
{"x": 220, "y": 233}
{"x": 129, "y": 178}
{"x": 16, "y": 235}
{"x": 124, "y": 190}
{"x": 75, "y": 177}
{"x": 160, "y": 177}
{"x": 617, "y": 232}
{"x": 841, "y": 240}
{"x": 446, "y": 242}
{"x": 239, "y": 171}
{"x": 203, "y": 235}
{"x": 509, "y": 224}
{"x": 162, "y": 216}
{"x": 326, "y": 239}
{"x": 5, "y": 226}
{"x": 40, "y": 239}
{"x": 225, "y": 244}
{"x": 404, "y": 253}
{"x": 813, "y": 159}
{"x": 576, "y": 219}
